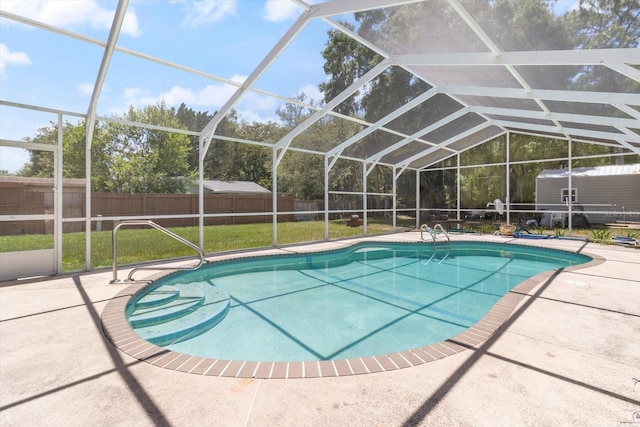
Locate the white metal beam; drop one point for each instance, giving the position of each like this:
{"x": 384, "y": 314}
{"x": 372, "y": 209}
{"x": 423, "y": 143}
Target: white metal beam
{"x": 27, "y": 145}
{"x": 627, "y": 70}
{"x": 444, "y": 144}
{"x": 564, "y": 117}
{"x": 573, "y": 137}
{"x": 548, "y": 95}
{"x": 458, "y": 167}
{"x": 587, "y": 133}
{"x": 118, "y": 18}
{"x": 609, "y": 57}
{"x": 451, "y": 117}
{"x": 625, "y": 143}
{"x": 354, "y": 87}
{"x": 479, "y": 31}
{"x": 90, "y": 119}
{"x": 280, "y": 46}
{"x": 383, "y": 121}
{"x": 341, "y": 7}
{"x": 628, "y": 110}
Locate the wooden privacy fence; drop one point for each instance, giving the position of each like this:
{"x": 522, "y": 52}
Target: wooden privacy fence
{"x": 139, "y": 205}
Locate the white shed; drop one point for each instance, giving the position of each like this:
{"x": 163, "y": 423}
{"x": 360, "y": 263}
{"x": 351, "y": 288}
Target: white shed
{"x": 607, "y": 193}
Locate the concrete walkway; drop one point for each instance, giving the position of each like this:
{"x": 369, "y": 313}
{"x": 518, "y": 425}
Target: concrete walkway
{"x": 568, "y": 355}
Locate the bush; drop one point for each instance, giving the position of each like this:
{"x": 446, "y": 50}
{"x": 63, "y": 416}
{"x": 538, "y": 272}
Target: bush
{"x": 601, "y": 235}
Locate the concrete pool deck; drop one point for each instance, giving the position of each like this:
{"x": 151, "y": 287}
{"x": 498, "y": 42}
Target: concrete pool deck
{"x": 569, "y": 354}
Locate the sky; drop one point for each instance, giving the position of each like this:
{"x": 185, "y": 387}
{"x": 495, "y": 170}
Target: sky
{"x": 225, "y": 38}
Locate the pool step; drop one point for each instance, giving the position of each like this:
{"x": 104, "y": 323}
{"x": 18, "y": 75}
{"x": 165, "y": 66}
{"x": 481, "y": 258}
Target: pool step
{"x": 184, "y": 302}
{"x": 160, "y": 296}
{"x": 199, "y": 307}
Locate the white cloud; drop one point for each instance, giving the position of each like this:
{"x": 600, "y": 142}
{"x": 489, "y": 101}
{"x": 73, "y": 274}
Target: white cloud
{"x": 252, "y": 106}
{"x": 253, "y": 116}
{"x": 238, "y": 78}
{"x": 130, "y": 25}
{"x": 12, "y": 58}
{"x": 281, "y": 10}
{"x": 258, "y": 102}
{"x": 209, "y": 97}
{"x": 207, "y": 11}
{"x": 85, "y": 89}
{"x": 313, "y": 94}
{"x": 72, "y": 14}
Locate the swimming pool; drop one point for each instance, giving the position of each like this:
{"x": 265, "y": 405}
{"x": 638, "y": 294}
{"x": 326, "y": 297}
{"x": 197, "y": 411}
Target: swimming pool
{"x": 363, "y": 300}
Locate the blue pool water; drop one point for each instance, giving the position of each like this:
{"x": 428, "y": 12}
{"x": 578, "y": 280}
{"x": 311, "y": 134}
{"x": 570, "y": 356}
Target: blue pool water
{"x": 368, "y": 299}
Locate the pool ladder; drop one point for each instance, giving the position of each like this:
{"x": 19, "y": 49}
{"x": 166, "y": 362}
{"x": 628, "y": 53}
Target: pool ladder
{"x": 432, "y": 232}
{"x": 159, "y": 228}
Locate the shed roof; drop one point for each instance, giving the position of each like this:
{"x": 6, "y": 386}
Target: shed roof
{"x": 234, "y": 187}
{"x": 592, "y": 171}
{"x": 41, "y": 181}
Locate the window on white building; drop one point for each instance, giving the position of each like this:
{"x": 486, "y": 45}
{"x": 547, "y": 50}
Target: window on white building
{"x": 565, "y": 194}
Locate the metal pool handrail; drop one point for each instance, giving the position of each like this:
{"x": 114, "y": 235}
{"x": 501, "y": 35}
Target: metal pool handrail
{"x": 425, "y": 227}
{"x": 159, "y": 228}
{"x": 435, "y": 227}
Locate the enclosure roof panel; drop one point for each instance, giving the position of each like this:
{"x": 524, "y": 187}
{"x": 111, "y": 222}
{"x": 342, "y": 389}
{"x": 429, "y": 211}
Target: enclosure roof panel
{"x": 468, "y": 69}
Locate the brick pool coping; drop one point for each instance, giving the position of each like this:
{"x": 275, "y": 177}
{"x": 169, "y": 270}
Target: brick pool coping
{"x": 118, "y": 331}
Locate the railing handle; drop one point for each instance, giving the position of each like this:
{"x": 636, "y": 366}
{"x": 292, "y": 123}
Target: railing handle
{"x": 424, "y": 228}
{"x": 159, "y": 228}
{"x": 443, "y": 231}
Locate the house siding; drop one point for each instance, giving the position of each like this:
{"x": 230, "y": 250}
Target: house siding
{"x": 618, "y": 190}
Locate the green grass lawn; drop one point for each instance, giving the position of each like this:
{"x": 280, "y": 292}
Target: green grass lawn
{"x": 147, "y": 244}
{"x": 138, "y": 245}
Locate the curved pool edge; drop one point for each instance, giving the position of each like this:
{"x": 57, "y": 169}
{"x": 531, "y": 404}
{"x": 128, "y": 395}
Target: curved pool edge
{"x": 117, "y": 330}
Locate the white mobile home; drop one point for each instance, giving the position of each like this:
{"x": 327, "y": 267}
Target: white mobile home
{"x": 606, "y": 193}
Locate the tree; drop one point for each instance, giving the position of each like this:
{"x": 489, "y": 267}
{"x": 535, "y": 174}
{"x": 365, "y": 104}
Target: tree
{"x": 217, "y": 161}
{"x": 194, "y": 121}
{"x": 599, "y": 24}
{"x": 73, "y": 152}
{"x": 251, "y": 162}
{"x": 143, "y": 160}
{"x": 292, "y": 114}
{"x": 346, "y": 60}
{"x": 123, "y": 158}
{"x": 40, "y": 162}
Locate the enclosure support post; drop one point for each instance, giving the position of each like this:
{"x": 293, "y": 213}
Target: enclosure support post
{"x": 570, "y": 185}
{"x": 87, "y": 210}
{"x": 274, "y": 195}
{"x": 507, "y": 201}
{"x": 90, "y": 119}
{"x": 201, "y": 155}
{"x": 417, "y": 199}
{"x": 393, "y": 206}
{"x": 58, "y": 202}
{"x": 326, "y": 197}
{"x": 458, "y": 187}
{"x": 364, "y": 196}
